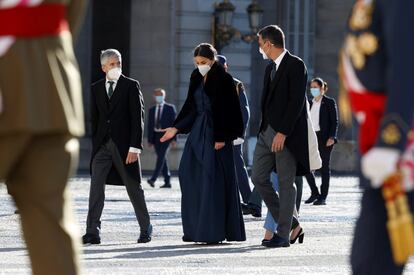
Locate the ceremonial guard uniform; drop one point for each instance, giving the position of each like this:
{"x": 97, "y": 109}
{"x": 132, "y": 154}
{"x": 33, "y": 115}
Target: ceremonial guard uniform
{"x": 41, "y": 115}
{"x": 376, "y": 69}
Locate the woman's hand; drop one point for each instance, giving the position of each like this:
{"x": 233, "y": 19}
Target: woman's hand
{"x": 169, "y": 133}
{"x": 219, "y": 145}
{"x": 330, "y": 142}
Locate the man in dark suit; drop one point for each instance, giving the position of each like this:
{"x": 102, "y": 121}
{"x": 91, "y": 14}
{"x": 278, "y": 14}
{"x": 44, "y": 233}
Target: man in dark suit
{"x": 161, "y": 116}
{"x": 241, "y": 171}
{"x": 283, "y": 137}
{"x": 117, "y": 114}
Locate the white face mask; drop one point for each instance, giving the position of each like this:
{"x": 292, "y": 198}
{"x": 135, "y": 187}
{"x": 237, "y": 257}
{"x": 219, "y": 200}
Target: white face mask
{"x": 114, "y": 73}
{"x": 264, "y": 55}
{"x": 203, "y": 69}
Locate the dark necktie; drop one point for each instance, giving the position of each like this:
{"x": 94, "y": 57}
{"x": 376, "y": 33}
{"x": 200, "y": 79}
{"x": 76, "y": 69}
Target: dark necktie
{"x": 111, "y": 89}
{"x": 158, "y": 124}
{"x": 273, "y": 72}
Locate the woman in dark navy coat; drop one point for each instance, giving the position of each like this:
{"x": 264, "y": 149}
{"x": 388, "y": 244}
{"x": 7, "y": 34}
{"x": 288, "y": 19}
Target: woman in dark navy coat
{"x": 211, "y": 115}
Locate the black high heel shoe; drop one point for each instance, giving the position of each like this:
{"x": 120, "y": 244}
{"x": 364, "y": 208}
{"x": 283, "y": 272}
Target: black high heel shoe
{"x": 300, "y": 236}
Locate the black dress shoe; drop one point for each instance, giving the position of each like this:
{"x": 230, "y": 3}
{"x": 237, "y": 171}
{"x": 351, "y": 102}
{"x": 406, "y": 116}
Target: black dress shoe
{"x": 320, "y": 202}
{"x": 312, "y": 198}
{"x": 151, "y": 182}
{"x": 244, "y": 208}
{"x": 166, "y": 186}
{"x": 257, "y": 214}
{"x": 250, "y": 209}
{"x": 90, "y": 238}
{"x": 276, "y": 241}
{"x": 264, "y": 240}
{"x": 145, "y": 236}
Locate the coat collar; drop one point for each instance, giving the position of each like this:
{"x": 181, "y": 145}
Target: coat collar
{"x": 117, "y": 92}
{"x": 212, "y": 78}
{"x": 279, "y": 72}
{"x": 271, "y": 85}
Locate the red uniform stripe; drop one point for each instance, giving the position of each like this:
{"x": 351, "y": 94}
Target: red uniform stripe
{"x": 30, "y": 22}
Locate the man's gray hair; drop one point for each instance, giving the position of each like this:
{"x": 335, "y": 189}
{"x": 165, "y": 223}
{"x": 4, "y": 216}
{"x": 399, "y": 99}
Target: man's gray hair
{"x": 105, "y": 54}
{"x": 160, "y": 90}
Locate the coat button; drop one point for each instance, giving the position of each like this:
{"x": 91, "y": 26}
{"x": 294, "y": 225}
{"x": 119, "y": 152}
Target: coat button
{"x": 108, "y": 121}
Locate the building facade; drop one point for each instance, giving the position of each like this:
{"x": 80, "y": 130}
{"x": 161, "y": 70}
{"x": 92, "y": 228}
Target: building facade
{"x": 156, "y": 39}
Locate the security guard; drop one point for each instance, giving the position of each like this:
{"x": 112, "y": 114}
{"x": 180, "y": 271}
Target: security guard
{"x": 376, "y": 69}
{"x": 41, "y": 116}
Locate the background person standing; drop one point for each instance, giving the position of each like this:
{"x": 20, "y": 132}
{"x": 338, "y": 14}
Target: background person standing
{"x": 324, "y": 115}
{"x": 241, "y": 171}
{"x": 160, "y": 116}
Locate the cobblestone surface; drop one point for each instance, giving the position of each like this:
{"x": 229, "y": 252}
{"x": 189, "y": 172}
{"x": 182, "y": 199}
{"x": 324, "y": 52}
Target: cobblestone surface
{"x": 328, "y": 235}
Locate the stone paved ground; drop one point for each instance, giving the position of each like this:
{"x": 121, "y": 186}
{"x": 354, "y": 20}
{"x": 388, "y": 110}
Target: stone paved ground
{"x": 325, "y": 249}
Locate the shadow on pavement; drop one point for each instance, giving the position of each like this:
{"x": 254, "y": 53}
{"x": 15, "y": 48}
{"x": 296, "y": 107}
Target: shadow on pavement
{"x": 173, "y": 250}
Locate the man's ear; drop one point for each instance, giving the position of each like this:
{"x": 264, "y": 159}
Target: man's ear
{"x": 103, "y": 68}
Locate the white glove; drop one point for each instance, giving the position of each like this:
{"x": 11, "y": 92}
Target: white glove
{"x": 407, "y": 168}
{"x": 238, "y": 141}
{"x": 379, "y": 163}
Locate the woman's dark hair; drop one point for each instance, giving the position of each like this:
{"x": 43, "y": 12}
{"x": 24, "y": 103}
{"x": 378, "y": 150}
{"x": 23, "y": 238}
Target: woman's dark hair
{"x": 274, "y": 34}
{"x": 205, "y": 50}
{"x": 325, "y": 86}
{"x": 318, "y": 80}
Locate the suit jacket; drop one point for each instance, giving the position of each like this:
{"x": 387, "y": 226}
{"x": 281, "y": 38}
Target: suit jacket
{"x": 40, "y": 85}
{"x": 167, "y": 119}
{"x": 283, "y": 106}
{"x": 226, "y": 113}
{"x": 244, "y": 105}
{"x": 328, "y": 118}
{"x": 121, "y": 118}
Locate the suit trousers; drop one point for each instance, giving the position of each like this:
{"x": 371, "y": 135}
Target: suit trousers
{"x": 161, "y": 149}
{"x": 270, "y": 223}
{"x": 36, "y": 170}
{"x": 264, "y": 161}
{"x": 371, "y": 249}
{"x": 325, "y": 170}
{"x": 256, "y": 200}
{"x": 102, "y": 162}
{"x": 241, "y": 173}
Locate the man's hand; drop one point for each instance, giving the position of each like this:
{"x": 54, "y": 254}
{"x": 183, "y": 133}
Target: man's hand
{"x": 330, "y": 142}
{"x": 131, "y": 157}
{"x": 169, "y": 133}
{"x": 219, "y": 145}
{"x": 278, "y": 142}
{"x": 379, "y": 163}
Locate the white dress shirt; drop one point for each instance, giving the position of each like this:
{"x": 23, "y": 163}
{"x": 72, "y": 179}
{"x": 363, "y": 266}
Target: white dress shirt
{"x": 156, "y": 116}
{"x": 113, "y": 85}
{"x": 314, "y": 113}
{"x": 107, "y": 84}
{"x": 279, "y": 59}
